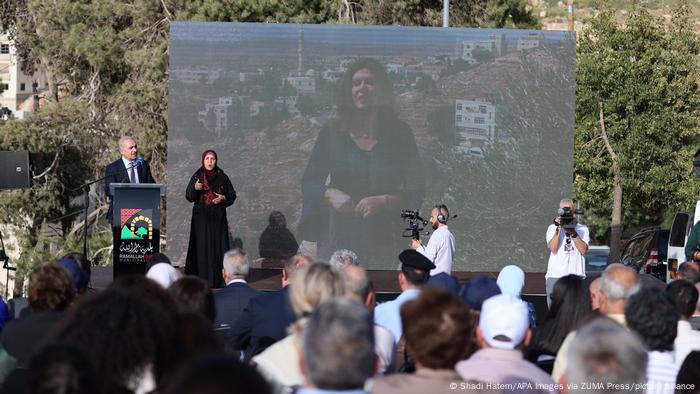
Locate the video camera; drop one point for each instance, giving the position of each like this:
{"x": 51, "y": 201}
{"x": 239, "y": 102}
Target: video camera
{"x": 567, "y": 217}
{"x": 415, "y": 223}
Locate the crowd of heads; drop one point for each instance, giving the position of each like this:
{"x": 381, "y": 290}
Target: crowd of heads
{"x": 156, "y": 333}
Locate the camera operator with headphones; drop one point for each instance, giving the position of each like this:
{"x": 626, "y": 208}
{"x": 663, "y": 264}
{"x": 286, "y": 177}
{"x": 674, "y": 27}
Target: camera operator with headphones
{"x": 441, "y": 246}
{"x": 567, "y": 241}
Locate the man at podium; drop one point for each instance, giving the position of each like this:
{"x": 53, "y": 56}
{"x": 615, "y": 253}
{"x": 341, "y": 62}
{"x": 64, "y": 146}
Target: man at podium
{"x": 129, "y": 168}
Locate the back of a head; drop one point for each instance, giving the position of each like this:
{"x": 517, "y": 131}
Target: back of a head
{"x": 356, "y": 282}
{"x": 147, "y": 289}
{"x": 511, "y": 280}
{"x": 294, "y": 263}
{"x": 236, "y": 263}
{"x": 314, "y": 284}
{"x": 163, "y": 274}
{"x": 120, "y": 333}
{"x": 604, "y": 351}
{"x": 157, "y": 258}
{"x": 689, "y": 271}
{"x": 618, "y": 283}
{"x": 652, "y": 314}
{"x": 50, "y": 288}
{"x": 570, "y": 308}
{"x": 194, "y": 336}
{"x": 79, "y": 278}
{"x": 684, "y": 295}
{"x": 218, "y": 374}
{"x": 193, "y": 295}
{"x": 343, "y": 257}
{"x": 688, "y": 379}
{"x": 477, "y": 290}
{"x": 60, "y": 370}
{"x": 504, "y": 321}
{"x": 437, "y": 328}
{"x": 338, "y": 345}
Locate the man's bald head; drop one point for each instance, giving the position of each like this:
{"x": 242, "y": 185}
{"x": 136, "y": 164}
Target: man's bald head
{"x": 617, "y": 284}
{"x": 356, "y": 281}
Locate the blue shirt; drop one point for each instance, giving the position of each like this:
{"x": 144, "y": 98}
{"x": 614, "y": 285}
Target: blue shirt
{"x": 388, "y": 314}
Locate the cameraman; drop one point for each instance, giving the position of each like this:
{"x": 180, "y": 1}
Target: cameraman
{"x": 566, "y": 248}
{"x": 441, "y": 246}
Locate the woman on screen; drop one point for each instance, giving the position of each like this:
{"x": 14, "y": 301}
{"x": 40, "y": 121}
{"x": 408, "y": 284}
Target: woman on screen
{"x": 364, "y": 168}
{"x": 211, "y": 192}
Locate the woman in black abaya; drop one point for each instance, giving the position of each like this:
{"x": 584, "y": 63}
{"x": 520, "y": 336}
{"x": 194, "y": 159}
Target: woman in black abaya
{"x": 211, "y": 192}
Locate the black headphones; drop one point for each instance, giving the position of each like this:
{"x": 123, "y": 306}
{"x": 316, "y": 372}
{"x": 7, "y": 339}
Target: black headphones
{"x": 440, "y": 217}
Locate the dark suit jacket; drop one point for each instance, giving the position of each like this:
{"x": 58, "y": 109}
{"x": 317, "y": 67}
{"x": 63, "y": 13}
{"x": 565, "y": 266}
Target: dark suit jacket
{"x": 263, "y": 322}
{"x": 116, "y": 172}
{"x": 230, "y": 302}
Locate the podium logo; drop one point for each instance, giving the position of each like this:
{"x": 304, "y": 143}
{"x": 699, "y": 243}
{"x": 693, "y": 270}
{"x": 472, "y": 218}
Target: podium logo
{"x": 137, "y": 224}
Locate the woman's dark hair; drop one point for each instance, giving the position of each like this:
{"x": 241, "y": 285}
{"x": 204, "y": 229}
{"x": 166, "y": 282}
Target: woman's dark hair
{"x": 383, "y": 96}
{"x": 652, "y": 314}
{"x": 120, "y": 333}
{"x": 218, "y": 374}
{"x": 146, "y": 289}
{"x": 82, "y": 261}
{"x": 570, "y": 308}
{"x": 195, "y": 337}
{"x": 688, "y": 378}
{"x": 192, "y": 294}
{"x": 61, "y": 369}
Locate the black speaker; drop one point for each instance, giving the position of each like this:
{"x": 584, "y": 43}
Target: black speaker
{"x": 14, "y": 170}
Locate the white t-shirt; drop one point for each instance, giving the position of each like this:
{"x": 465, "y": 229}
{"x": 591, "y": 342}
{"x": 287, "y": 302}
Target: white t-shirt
{"x": 440, "y": 250}
{"x": 567, "y": 259}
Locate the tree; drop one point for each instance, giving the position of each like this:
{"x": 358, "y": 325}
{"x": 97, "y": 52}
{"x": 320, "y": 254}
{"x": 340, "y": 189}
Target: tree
{"x": 636, "y": 117}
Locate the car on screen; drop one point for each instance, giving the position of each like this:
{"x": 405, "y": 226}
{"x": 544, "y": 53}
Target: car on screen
{"x": 646, "y": 251}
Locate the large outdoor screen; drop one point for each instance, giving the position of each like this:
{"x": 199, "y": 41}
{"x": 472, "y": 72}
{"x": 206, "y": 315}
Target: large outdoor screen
{"x": 338, "y": 128}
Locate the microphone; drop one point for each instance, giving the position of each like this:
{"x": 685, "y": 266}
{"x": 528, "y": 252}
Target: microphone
{"x": 139, "y": 161}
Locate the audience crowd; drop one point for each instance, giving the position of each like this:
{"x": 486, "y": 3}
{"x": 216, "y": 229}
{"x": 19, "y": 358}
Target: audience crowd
{"x": 323, "y": 332}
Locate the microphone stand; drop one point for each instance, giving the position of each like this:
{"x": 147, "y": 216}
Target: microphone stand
{"x": 86, "y": 188}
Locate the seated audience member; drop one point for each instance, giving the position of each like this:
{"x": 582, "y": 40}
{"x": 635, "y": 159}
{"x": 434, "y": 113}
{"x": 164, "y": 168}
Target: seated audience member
{"x": 218, "y": 374}
{"x": 232, "y": 299}
{"x": 342, "y": 258}
{"x": 443, "y": 280}
{"x": 617, "y": 284}
{"x": 5, "y": 315}
{"x": 605, "y": 353}
{"x": 79, "y": 278}
{"x": 277, "y": 244}
{"x": 61, "y": 369}
{"x": 359, "y": 288}
{"x": 502, "y": 332}
{"x": 688, "y": 380}
{"x": 570, "y": 308}
{"x": 50, "y": 293}
{"x": 193, "y": 295}
{"x": 685, "y": 297}
{"x": 689, "y": 271}
{"x": 195, "y": 337}
{"x": 127, "y": 339}
{"x": 436, "y": 327}
{"x": 511, "y": 280}
{"x": 164, "y": 274}
{"x": 652, "y": 314}
{"x": 415, "y": 269}
{"x": 474, "y": 293}
{"x": 279, "y": 363}
{"x": 265, "y": 319}
{"x": 338, "y": 348}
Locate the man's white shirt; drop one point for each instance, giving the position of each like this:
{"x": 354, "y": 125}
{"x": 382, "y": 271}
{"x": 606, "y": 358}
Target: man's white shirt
{"x": 440, "y": 250}
{"x": 128, "y": 164}
{"x": 567, "y": 259}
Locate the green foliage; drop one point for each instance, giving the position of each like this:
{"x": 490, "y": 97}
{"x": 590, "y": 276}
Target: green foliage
{"x": 646, "y": 76}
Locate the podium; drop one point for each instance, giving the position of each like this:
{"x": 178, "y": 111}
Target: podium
{"x": 135, "y": 225}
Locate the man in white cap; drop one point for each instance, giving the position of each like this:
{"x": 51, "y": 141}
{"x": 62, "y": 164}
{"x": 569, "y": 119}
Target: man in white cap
{"x": 504, "y": 328}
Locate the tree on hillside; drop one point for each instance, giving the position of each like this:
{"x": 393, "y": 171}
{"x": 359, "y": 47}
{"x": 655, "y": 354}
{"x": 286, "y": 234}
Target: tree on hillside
{"x": 636, "y": 117}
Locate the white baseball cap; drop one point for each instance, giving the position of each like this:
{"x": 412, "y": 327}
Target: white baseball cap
{"x": 505, "y": 317}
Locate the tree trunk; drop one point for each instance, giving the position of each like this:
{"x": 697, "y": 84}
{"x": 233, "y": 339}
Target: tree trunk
{"x": 616, "y": 225}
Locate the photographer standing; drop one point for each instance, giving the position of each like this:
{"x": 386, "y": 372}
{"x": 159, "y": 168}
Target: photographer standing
{"x": 441, "y": 246}
{"x": 567, "y": 241}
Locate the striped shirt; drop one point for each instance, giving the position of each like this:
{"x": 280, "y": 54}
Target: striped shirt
{"x": 661, "y": 373}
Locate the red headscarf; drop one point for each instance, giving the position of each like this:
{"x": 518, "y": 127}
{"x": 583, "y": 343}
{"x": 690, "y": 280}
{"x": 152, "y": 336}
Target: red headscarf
{"x": 209, "y": 177}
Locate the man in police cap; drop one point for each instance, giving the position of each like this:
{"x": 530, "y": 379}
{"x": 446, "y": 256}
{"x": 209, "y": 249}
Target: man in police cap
{"x": 415, "y": 270}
